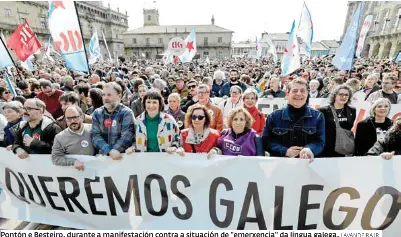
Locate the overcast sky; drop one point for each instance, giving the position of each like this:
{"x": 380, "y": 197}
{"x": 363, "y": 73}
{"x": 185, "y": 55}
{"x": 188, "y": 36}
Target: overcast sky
{"x": 247, "y": 18}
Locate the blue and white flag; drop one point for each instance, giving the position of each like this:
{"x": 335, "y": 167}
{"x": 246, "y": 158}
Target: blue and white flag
{"x": 94, "y": 48}
{"x": 344, "y": 57}
{"x": 305, "y": 29}
{"x": 27, "y": 64}
{"x": 10, "y": 85}
{"x": 67, "y": 36}
{"x": 5, "y": 60}
{"x": 190, "y": 47}
{"x": 291, "y": 58}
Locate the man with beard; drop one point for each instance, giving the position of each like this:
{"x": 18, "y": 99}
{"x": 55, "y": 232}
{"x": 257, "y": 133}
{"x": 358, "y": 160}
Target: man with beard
{"x": 74, "y": 140}
{"x": 35, "y": 134}
{"x": 113, "y": 123}
{"x": 50, "y": 97}
{"x": 234, "y": 80}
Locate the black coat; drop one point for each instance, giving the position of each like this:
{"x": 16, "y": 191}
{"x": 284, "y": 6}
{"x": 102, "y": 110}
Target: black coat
{"x": 391, "y": 143}
{"x": 330, "y": 125}
{"x": 365, "y": 135}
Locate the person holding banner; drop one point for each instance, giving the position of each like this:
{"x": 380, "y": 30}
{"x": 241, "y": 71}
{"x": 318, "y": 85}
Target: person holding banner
{"x": 373, "y": 128}
{"x": 13, "y": 112}
{"x": 239, "y": 139}
{"x": 198, "y": 137}
{"x": 296, "y": 130}
{"x": 390, "y": 145}
{"x": 339, "y": 108}
{"x": 74, "y": 140}
{"x": 156, "y": 131}
{"x": 113, "y": 123}
{"x": 250, "y": 98}
{"x": 35, "y": 134}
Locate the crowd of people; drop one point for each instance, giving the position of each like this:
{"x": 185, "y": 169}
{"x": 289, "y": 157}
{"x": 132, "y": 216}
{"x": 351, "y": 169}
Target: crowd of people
{"x": 148, "y": 106}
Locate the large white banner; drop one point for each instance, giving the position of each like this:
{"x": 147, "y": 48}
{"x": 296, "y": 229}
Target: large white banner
{"x": 162, "y": 191}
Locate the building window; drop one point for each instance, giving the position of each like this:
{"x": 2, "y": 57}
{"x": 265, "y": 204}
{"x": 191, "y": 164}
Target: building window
{"x": 205, "y": 53}
{"x": 134, "y": 40}
{"x": 205, "y": 41}
{"x": 7, "y": 11}
{"x": 149, "y": 17}
{"x": 160, "y": 40}
{"x": 220, "y": 40}
{"x": 147, "y": 41}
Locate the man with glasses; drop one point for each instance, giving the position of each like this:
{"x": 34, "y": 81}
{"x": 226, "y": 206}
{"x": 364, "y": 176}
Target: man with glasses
{"x": 387, "y": 91}
{"x": 50, "y": 97}
{"x": 35, "y": 134}
{"x": 192, "y": 97}
{"x": 296, "y": 130}
{"x": 204, "y": 99}
{"x": 74, "y": 140}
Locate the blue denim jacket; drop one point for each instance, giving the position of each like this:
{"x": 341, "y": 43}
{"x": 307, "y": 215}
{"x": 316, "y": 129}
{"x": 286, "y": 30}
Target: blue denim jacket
{"x": 281, "y": 132}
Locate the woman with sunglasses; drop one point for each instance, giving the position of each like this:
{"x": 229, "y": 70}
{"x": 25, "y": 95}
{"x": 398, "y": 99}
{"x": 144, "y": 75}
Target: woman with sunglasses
{"x": 155, "y": 131}
{"x": 198, "y": 137}
{"x": 239, "y": 139}
{"x": 5, "y": 96}
{"x": 339, "y": 101}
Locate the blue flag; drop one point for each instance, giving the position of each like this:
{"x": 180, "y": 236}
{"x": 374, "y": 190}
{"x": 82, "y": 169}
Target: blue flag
{"x": 5, "y": 59}
{"x": 10, "y": 85}
{"x": 345, "y": 54}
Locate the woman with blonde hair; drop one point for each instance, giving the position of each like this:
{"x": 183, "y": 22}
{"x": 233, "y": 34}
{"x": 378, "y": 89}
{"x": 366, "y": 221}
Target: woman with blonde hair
{"x": 390, "y": 145}
{"x": 373, "y": 128}
{"x": 198, "y": 137}
{"x": 174, "y": 109}
{"x": 239, "y": 139}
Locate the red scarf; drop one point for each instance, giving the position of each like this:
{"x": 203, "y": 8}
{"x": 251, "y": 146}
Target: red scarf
{"x": 253, "y": 111}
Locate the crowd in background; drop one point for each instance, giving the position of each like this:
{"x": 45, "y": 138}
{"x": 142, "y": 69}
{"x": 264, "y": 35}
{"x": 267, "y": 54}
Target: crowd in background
{"x": 149, "y": 106}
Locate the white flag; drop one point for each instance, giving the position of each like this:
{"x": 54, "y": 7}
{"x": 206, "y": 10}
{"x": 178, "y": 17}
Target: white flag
{"x": 107, "y": 47}
{"x": 367, "y": 23}
{"x": 94, "y": 48}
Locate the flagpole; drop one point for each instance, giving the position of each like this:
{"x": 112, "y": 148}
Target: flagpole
{"x": 12, "y": 60}
{"x": 82, "y": 35}
{"x": 356, "y": 40}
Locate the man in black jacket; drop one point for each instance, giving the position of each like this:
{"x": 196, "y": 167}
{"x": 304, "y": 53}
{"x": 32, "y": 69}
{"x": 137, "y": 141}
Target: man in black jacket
{"x": 34, "y": 135}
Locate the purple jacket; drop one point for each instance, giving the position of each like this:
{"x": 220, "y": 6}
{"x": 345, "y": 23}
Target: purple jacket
{"x": 244, "y": 145}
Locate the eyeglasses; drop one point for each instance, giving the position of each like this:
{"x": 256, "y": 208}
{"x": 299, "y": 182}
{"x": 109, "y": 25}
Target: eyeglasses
{"x": 29, "y": 109}
{"x": 6, "y": 92}
{"x": 191, "y": 86}
{"x": 343, "y": 95}
{"x": 75, "y": 118}
{"x": 199, "y": 117}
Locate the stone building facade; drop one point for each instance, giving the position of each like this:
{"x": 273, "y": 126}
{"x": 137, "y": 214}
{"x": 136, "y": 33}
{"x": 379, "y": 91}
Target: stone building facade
{"x": 150, "y": 41}
{"x": 91, "y": 15}
{"x": 384, "y": 37}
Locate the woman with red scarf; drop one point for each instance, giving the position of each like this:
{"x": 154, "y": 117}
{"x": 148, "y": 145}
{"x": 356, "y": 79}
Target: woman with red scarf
{"x": 250, "y": 97}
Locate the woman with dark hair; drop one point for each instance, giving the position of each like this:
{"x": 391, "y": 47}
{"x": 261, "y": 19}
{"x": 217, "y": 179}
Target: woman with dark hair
{"x": 5, "y": 96}
{"x": 155, "y": 131}
{"x": 374, "y": 127}
{"x": 136, "y": 105}
{"x": 135, "y": 88}
{"x": 339, "y": 101}
{"x": 94, "y": 100}
{"x": 198, "y": 137}
{"x": 239, "y": 139}
{"x": 390, "y": 145}
{"x": 126, "y": 98}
